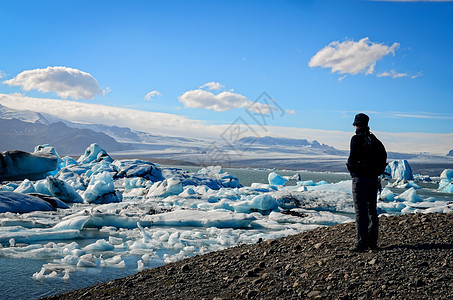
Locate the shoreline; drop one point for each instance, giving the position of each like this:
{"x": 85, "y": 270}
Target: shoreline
{"x": 415, "y": 261}
{"x": 336, "y": 165}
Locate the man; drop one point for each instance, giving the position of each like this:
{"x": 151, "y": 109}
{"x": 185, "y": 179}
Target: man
{"x": 367, "y": 160}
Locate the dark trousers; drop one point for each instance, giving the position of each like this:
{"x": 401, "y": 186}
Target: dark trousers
{"x": 364, "y": 194}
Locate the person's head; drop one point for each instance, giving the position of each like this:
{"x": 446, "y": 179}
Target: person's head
{"x": 361, "y": 120}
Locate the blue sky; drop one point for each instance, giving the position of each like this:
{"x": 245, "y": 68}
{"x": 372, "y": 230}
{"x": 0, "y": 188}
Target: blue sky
{"x": 321, "y": 61}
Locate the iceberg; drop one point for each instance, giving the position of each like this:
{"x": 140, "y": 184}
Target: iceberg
{"x": 25, "y": 187}
{"x": 216, "y": 172}
{"x": 275, "y": 179}
{"x": 446, "y": 178}
{"x": 410, "y": 195}
{"x": 399, "y": 169}
{"x": 166, "y": 188}
{"x": 137, "y": 168}
{"x": 94, "y": 153}
{"x": 101, "y": 189}
{"x": 20, "y": 165}
{"x": 21, "y": 203}
{"x": 63, "y": 190}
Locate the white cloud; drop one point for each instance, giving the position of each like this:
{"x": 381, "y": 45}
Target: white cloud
{"x": 64, "y": 81}
{"x": 417, "y": 75}
{"x": 2, "y": 74}
{"x": 213, "y": 86}
{"x": 151, "y": 95}
{"x": 221, "y": 102}
{"x": 291, "y": 112}
{"x": 393, "y": 74}
{"x": 351, "y": 57}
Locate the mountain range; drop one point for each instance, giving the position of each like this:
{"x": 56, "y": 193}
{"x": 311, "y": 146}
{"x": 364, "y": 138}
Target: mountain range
{"x": 23, "y": 129}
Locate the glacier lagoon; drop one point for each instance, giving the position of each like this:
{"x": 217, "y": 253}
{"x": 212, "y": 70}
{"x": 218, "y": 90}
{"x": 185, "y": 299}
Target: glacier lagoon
{"x": 191, "y": 220}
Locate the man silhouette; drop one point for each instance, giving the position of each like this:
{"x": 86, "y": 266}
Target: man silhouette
{"x": 367, "y": 160}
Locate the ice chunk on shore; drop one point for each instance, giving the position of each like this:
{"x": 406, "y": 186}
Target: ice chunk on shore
{"x": 400, "y": 169}
{"x": 275, "y": 179}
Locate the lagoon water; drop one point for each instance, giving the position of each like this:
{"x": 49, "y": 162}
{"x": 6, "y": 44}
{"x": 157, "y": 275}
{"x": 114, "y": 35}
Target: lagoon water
{"x": 16, "y": 276}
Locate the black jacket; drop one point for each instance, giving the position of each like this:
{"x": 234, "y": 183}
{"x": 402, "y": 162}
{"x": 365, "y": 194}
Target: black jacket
{"x": 368, "y": 156}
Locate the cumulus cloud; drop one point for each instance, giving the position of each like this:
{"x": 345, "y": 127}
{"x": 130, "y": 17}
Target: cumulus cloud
{"x": 2, "y": 74}
{"x": 66, "y": 82}
{"x": 151, "y": 95}
{"x": 213, "y": 86}
{"x": 351, "y": 57}
{"x": 222, "y": 101}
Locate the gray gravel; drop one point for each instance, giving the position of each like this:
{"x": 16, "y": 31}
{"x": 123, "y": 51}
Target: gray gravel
{"x": 414, "y": 261}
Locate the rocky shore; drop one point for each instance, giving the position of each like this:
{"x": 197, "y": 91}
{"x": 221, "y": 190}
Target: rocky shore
{"x": 415, "y": 261}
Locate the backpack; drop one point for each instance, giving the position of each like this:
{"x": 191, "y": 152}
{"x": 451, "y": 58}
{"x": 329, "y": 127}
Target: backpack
{"x": 377, "y": 155}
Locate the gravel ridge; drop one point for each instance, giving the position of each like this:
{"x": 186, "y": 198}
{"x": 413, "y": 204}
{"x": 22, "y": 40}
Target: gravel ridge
{"x": 415, "y": 261}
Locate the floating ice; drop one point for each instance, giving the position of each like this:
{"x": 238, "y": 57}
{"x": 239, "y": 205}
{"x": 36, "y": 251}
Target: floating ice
{"x": 410, "y": 195}
{"x": 446, "y": 177}
{"x": 168, "y": 187}
{"x": 138, "y": 168}
{"x": 404, "y": 184}
{"x": 19, "y": 165}
{"x": 216, "y": 172}
{"x": 399, "y": 169}
{"x": 21, "y": 203}
{"x": 448, "y": 188}
{"x": 94, "y": 153}
{"x": 387, "y": 195}
{"x": 99, "y": 245}
{"x": 25, "y": 187}
{"x": 63, "y": 190}
{"x": 311, "y": 183}
{"x": 101, "y": 189}
{"x": 199, "y": 218}
{"x": 275, "y": 179}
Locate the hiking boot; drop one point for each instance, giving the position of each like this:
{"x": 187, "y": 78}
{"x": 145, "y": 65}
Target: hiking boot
{"x": 358, "y": 249}
{"x": 373, "y": 247}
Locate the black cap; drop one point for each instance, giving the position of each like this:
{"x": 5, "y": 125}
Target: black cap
{"x": 361, "y": 120}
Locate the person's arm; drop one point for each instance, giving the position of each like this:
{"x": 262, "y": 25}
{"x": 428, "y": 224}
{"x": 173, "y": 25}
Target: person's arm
{"x": 352, "y": 160}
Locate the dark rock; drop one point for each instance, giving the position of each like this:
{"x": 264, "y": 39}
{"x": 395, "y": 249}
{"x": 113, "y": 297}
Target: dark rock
{"x": 185, "y": 268}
